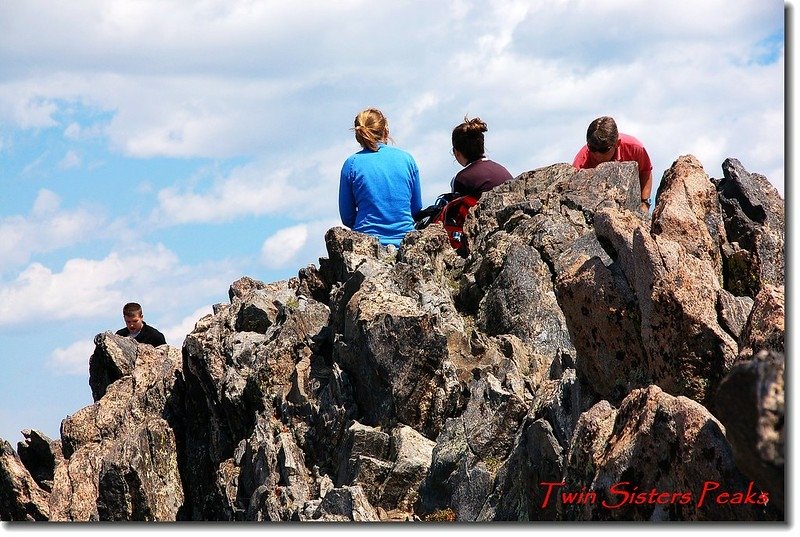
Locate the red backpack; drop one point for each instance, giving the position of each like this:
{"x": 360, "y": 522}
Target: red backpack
{"x": 452, "y": 216}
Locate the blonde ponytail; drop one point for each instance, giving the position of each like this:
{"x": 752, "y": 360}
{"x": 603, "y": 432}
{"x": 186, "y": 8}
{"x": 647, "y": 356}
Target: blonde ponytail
{"x": 371, "y": 128}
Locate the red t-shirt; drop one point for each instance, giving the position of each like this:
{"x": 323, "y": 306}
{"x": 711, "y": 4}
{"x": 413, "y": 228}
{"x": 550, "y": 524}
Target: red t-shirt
{"x": 629, "y": 149}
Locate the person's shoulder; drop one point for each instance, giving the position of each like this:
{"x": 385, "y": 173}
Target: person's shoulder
{"x": 151, "y": 329}
{"x": 495, "y": 165}
{"x": 349, "y": 160}
{"x": 630, "y": 140}
{"x": 122, "y": 332}
{"x": 396, "y": 152}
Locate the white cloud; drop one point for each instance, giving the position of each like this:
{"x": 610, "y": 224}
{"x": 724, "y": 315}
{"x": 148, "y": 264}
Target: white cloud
{"x": 47, "y": 203}
{"x": 297, "y": 245}
{"x": 84, "y": 288}
{"x": 72, "y": 360}
{"x": 281, "y": 247}
{"x": 224, "y": 78}
{"x": 246, "y": 191}
{"x": 35, "y": 112}
{"x": 47, "y": 228}
{"x": 300, "y": 186}
{"x": 70, "y": 160}
{"x": 177, "y": 333}
{"x": 73, "y": 131}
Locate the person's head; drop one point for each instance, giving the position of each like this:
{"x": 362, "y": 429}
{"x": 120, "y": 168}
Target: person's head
{"x": 371, "y": 128}
{"x": 602, "y": 138}
{"x": 468, "y": 140}
{"x": 132, "y": 313}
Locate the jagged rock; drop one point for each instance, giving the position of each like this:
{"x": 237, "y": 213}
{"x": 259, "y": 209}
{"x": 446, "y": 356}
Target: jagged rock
{"x": 688, "y": 351}
{"x": 538, "y": 453}
{"x": 411, "y": 453}
{"x": 244, "y": 286}
{"x": 122, "y": 451}
{"x": 448, "y": 453}
{"x": 21, "y": 498}
{"x": 560, "y": 403}
{"x": 537, "y": 457}
{"x": 472, "y": 447}
{"x": 257, "y": 460}
{"x": 687, "y": 212}
{"x": 138, "y": 476}
{"x": 751, "y": 405}
{"x": 408, "y": 384}
{"x": 257, "y": 313}
{"x": 40, "y": 455}
{"x": 395, "y": 341}
{"x": 113, "y": 358}
{"x": 311, "y": 284}
{"x": 659, "y": 444}
{"x": 754, "y": 223}
{"x": 388, "y": 467}
{"x": 365, "y": 460}
{"x": 233, "y": 373}
{"x": 676, "y": 282}
{"x": 347, "y": 251}
{"x": 583, "y": 459}
{"x": 604, "y": 323}
{"x": 319, "y": 408}
{"x": 536, "y": 230}
{"x": 733, "y": 312}
{"x": 430, "y": 250}
{"x": 345, "y": 504}
{"x": 765, "y": 327}
{"x": 521, "y": 302}
{"x": 491, "y": 418}
{"x": 473, "y": 483}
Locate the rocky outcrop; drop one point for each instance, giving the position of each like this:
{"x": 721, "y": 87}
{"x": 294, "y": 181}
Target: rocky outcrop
{"x": 121, "y": 453}
{"x": 664, "y": 458}
{"x": 752, "y": 408}
{"x": 753, "y": 214}
{"x": 22, "y": 498}
{"x": 581, "y": 361}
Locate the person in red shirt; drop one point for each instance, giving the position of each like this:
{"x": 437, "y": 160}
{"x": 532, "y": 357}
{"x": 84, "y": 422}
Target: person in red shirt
{"x": 605, "y": 143}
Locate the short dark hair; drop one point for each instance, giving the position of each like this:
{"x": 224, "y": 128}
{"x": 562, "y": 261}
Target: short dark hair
{"x": 131, "y": 308}
{"x": 468, "y": 138}
{"x": 602, "y": 134}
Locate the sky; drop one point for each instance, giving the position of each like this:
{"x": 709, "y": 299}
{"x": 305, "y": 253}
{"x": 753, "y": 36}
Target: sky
{"x": 155, "y": 151}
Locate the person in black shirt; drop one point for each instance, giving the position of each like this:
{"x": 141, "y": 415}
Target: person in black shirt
{"x": 479, "y": 174}
{"x": 136, "y": 328}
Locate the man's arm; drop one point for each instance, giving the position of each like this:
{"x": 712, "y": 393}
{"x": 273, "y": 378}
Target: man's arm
{"x": 646, "y": 184}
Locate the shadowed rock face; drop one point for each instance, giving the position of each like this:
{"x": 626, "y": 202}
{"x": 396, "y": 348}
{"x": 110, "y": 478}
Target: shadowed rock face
{"x": 657, "y": 443}
{"x": 752, "y": 408}
{"x": 577, "y": 343}
{"x": 753, "y": 214}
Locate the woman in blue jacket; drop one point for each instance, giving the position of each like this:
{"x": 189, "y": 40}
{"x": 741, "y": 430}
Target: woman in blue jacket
{"x": 379, "y": 187}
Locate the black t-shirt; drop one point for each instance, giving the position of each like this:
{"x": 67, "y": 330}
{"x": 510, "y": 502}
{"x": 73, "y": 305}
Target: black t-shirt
{"x": 480, "y": 176}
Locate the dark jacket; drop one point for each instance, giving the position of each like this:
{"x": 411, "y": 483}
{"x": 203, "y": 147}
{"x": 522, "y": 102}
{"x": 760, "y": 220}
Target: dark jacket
{"x": 147, "y": 334}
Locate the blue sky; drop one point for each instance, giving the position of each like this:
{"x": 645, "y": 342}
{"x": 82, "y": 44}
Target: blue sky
{"x": 156, "y": 151}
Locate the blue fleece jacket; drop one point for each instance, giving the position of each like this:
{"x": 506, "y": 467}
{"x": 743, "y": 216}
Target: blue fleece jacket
{"x": 379, "y": 191}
